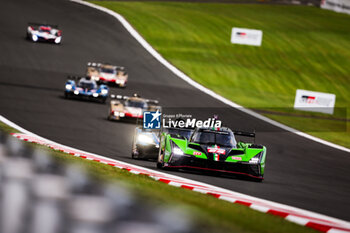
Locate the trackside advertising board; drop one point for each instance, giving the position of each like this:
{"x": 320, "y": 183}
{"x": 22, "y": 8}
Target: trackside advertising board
{"x": 342, "y": 6}
{"x": 314, "y": 101}
{"x": 246, "y": 36}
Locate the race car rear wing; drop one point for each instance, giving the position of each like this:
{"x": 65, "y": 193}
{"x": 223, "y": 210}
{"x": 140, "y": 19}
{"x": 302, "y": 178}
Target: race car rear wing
{"x": 244, "y": 134}
{"x": 152, "y": 102}
{"x": 96, "y": 64}
{"x": 93, "y": 64}
{"x": 43, "y": 24}
{"x": 124, "y": 97}
{"x": 119, "y": 97}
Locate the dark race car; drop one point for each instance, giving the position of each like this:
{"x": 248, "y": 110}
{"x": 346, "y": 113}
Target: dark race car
{"x": 146, "y": 141}
{"x": 213, "y": 149}
{"x": 145, "y": 144}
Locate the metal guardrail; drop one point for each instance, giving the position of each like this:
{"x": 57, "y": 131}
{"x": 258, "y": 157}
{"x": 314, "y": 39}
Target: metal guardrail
{"x": 41, "y": 195}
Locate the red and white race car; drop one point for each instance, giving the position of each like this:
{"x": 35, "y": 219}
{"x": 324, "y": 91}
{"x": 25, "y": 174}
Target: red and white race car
{"x": 44, "y": 32}
{"x": 107, "y": 74}
{"x": 132, "y": 108}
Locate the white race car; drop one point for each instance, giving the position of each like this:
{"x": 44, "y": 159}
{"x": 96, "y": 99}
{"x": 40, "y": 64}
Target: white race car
{"x": 130, "y": 108}
{"x": 44, "y": 32}
{"x": 107, "y": 74}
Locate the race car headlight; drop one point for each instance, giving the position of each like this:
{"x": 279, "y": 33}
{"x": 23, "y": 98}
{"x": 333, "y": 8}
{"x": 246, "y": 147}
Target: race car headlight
{"x": 58, "y": 40}
{"x": 119, "y": 114}
{"x": 69, "y": 87}
{"x": 144, "y": 139}
{"x": 34, "y": 37}
{"x": 177, "y": 151}
{"x": 104, "y": 92}
{"x": 95, "y": 94}
{"x": 76, "y": 92}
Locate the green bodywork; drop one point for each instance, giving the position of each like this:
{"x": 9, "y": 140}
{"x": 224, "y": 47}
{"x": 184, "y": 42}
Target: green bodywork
{"x": 247, "y": 152}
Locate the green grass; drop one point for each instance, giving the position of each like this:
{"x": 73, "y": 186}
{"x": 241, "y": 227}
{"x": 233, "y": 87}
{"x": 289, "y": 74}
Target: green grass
{"x": 210, "y": 214}
{"x": 303, "y": 48}
{"x": 7, "y": 129}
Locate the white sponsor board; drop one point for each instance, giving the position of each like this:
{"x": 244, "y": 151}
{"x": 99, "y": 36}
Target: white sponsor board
{"x": 246, "y": 36}
{"x": 342, "y": 6}
{"x": 314, "y": 101}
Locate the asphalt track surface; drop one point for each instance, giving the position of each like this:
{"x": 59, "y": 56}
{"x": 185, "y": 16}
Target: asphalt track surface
{"x": 299, "y": 172}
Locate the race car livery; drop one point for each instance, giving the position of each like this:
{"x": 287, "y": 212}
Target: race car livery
{"x": 85, "y": 88}
{"x": 44, "y": 32}
{"x": 213, "y": 149}
{"x": 125, "y": 107}
{"x": 107, "y": 74}
{"x": 146, "y": 141}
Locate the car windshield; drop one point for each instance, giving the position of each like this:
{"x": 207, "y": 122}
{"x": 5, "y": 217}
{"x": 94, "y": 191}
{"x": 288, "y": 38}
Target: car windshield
{"x": 182, "y": 132}
{"x": 87, "y": 85}
{"x": 108, "y": 70}
{"x": 135, "y": 104}
{"x": 214, "y": 138}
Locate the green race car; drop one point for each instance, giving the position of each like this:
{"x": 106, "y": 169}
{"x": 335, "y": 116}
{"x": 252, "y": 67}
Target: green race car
{"x": 212, "y": 149}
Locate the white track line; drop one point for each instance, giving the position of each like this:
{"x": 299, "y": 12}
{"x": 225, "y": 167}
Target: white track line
{"x": 296, "y": 215}
{"x": 186, "y": 78}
